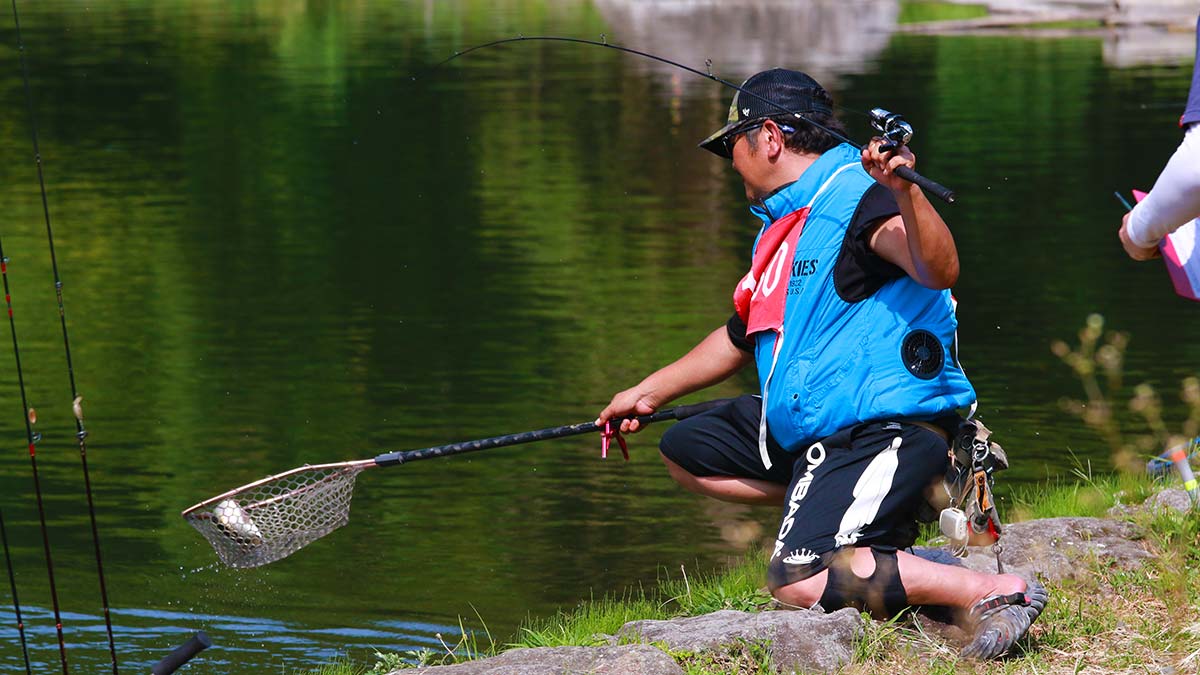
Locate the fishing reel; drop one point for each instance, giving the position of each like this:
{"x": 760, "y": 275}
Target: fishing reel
{"x": 895, "y": 131}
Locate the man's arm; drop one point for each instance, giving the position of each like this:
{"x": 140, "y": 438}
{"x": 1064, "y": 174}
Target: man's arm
{"x": 917, "y": 240}
{"x": 711, "y": 361}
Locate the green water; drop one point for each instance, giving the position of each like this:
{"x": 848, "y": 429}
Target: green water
{"x": 278, "y": 248}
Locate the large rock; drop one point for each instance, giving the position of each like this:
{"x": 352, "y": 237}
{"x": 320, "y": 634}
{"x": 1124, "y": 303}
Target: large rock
{"x": 622, "y": 660}
{"x": 806, "y": 641}
{"x": 1060, "y": 548}
{"x": 1170, "y": 499}
{"x": 800, "y": 640}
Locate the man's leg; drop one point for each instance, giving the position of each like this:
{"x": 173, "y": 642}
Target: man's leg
{"x": 850, "y": 507}
{"x": 924, "y": 582}
{"x": 716, "y": 454}
{"x": 728, "y": 488}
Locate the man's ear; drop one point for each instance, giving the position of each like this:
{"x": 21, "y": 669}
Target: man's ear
{"x": 778, "y": 142}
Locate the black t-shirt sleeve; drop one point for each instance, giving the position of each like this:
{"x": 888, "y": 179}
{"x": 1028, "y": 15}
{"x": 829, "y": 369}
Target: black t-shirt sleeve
{"x": 737, "y": 333}
{"x": 859, "y": 271}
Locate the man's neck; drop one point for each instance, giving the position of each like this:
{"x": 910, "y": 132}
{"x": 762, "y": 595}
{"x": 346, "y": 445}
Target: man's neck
{"x": 790, "y": 167}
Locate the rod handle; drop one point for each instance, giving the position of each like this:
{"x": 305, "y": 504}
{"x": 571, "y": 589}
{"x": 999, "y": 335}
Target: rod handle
{"x": 182, "y": 654}
{"x": 931, "y": 186}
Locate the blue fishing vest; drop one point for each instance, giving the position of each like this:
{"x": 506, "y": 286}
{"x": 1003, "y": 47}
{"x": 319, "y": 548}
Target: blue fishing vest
{"x": 1192, "y": 112}
{"x": 842, "y": 363}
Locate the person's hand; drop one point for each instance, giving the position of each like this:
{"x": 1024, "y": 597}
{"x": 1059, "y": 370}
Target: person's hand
{"x": 1136, "y": 252}
{"x": 883, "y": 164}
{"x": 628, "y": 403}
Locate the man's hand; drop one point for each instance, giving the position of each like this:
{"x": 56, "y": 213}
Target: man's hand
{"x": 634, "y": 401}
{"x": 882, "y": 165}
{"x": 1136, "y": 252}
{"x": 709, "y": 362}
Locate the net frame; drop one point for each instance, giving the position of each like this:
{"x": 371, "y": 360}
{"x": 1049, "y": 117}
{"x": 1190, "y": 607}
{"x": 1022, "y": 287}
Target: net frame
{"x": 272, "y": 518}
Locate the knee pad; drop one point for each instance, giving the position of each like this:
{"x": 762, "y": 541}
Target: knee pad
{"x": 881, "y": 594}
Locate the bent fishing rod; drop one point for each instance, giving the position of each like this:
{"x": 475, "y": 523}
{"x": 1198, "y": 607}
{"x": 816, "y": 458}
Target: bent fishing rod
{"x": 76, "y": 400}
{"x": 270, "y": 519}
{"x": 891, "y": 126}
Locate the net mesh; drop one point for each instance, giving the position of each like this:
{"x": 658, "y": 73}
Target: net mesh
{"x": 273, "y": 518}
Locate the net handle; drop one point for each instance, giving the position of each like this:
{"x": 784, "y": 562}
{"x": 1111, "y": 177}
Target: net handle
{"x": 405, "y": 456}
{"x": 677, "y": 413}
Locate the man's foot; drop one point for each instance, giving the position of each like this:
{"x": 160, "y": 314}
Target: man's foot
{"x": 1001, "y": 620}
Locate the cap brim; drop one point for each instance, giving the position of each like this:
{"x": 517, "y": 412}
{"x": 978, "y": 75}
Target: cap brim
{"x": 716, "y": 142}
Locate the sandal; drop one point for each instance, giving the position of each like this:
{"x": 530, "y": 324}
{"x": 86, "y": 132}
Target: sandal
{"x": 1001, "y": 620}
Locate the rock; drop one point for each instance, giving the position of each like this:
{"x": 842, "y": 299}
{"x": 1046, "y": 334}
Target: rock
{"x": 808, "y": 641}
{"x": 1170, "y": 498}
{"x": 800, "y": 640}
{"x": 1058, "y": 548}
{"x": 623, "y": 660}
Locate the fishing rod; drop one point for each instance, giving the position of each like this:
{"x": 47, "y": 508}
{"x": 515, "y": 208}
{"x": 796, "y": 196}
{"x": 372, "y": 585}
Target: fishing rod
{"x": 76, "y": 400}
{"x": 895, "y": 131}
{"x": 12, "y": 582}
{"x": 33, "y": 437}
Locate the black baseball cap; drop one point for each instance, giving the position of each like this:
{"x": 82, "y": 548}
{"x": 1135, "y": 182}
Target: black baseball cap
{"x": 791, "y": 91}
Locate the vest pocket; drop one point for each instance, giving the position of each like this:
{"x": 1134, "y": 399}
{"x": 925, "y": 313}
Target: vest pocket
{"x": 829, "y": 391}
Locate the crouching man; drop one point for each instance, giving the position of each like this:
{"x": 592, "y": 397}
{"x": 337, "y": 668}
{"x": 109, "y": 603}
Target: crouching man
{"x": 847, "y": 315}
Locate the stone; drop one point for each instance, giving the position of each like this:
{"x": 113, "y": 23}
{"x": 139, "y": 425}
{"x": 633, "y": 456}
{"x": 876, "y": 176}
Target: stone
{"x": 1051, "y": 549}
{"x": 622, "y": 660}
{"x": 1170, "y": 498}
{"x": 799, "y": 640}
{"x": 1058, "y": 548}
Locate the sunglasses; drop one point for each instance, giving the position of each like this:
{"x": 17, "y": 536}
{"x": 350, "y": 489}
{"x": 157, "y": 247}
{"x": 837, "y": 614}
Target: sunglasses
{"x": 730, "y": 140}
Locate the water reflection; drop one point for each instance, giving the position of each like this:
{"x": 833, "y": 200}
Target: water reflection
{"x": 824, "y": 38}
{"x": 144, "y": 635}
{"x": 1134, "y": 46}
{"x": 280, "y": 249}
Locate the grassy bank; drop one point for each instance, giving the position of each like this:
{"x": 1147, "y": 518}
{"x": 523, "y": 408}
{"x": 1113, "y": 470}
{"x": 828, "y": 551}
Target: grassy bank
{"x": 1106, "y": 620}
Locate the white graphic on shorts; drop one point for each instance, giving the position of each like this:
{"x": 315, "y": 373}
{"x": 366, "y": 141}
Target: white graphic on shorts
{"x": 815, "y": 456}
{"x": 873, "y": 485}
{"x": 800, "y": 556}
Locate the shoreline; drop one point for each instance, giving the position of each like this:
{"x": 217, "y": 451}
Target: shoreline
{"x": 1093, "y": 591}
{"x": 1073, "y": 17}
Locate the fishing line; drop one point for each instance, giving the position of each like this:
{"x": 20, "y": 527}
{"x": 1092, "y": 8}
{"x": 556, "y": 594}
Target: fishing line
{"x": 77, "y": 401}
{"x": 938, "y": 190}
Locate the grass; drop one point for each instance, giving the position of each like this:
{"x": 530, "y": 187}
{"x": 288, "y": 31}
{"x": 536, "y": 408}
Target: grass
{"x": 1088, "y": 495}
{"x": 748, "y": 658}
{"x": 740, "y": 588}
{"x": 590, "y": 622}
{"x": 1106, "y": 620}
{"x": 341, "y": 667}
{"x": 920, "y": 12}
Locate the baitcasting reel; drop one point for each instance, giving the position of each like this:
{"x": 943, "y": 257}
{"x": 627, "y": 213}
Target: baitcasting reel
{"x": 892, "y": 126}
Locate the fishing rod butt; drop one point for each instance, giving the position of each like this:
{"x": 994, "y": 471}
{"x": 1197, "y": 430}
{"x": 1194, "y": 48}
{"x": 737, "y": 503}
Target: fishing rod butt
{"x": 931, "y": 186}
{"x": 182, "y": 654}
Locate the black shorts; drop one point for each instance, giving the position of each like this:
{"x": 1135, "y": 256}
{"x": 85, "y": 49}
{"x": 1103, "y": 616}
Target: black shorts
{"x": 861, "y": 486}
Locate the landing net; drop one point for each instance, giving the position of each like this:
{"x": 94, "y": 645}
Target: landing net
{"x": 273, "y": 518}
